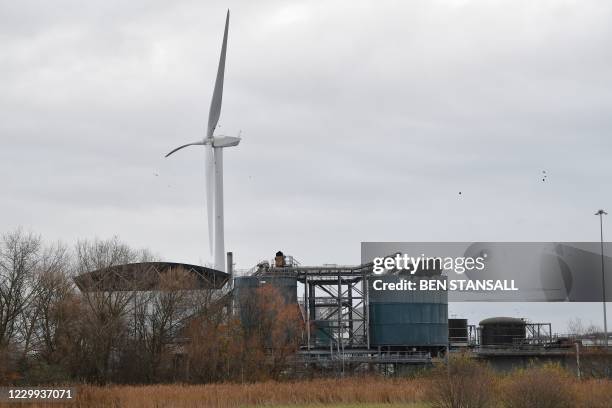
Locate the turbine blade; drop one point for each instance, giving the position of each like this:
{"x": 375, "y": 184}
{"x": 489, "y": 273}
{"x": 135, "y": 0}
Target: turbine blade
{"x": 180, "y": 147}
{"x": 215, "y": 104}
{"x": 209, "y": 162}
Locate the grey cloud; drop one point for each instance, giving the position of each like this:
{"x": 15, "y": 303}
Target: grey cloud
{"x": 362, "y": 121}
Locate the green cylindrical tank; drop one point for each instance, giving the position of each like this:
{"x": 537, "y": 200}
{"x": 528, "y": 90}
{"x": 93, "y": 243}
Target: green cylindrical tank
{"x": 286, "y": 286}
{"x": 244, "y": 286}
{"x": 245, "y": 294}
{"x": 406, "y": 317}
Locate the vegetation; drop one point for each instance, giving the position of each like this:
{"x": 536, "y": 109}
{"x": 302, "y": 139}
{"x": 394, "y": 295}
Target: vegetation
{"x": 366, "y": 392}
{"x": 546, "y": 386}
{"x": 51, "y": 332}
{"x": 182, "y": 347}
{"x": 464, "y": 383}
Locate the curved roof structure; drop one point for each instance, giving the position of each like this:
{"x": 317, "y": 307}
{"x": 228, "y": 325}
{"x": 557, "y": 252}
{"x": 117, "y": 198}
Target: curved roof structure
{"x": 147, "y": 276}
{"x": 502, "y": 320}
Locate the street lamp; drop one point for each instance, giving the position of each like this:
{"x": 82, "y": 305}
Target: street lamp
{"x": 601, "y": 213}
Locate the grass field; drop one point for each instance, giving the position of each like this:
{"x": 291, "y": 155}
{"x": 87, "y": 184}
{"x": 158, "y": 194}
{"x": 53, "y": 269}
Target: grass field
{"x": 421, "y": 405}
{"x": 321, "y": 392}
{"x": 524, "y": 387}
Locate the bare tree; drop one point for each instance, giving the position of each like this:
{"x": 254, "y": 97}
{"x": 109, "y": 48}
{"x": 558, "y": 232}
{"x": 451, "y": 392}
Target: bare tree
{"x": 104, "y": 330}
{"x": 128, "y": 323}
{"x": 575, "y": 327}
{"x": 214, "y": 341}
{"x": 274, "y": 331}
{"x": 43, "y": 319}
{"x": 160, "y": 316}
{"x": 19, "y": 259}
{"x": 256, "y": 343}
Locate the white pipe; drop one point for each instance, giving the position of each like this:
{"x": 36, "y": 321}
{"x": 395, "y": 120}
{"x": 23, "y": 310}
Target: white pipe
{"x": 219, "y": 228}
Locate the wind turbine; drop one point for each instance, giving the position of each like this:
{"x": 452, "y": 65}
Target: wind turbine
{"x": 213, "y": 163}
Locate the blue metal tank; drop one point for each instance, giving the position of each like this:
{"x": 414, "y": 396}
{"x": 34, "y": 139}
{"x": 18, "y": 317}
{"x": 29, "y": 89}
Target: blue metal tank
{"x": 405, "y": 317}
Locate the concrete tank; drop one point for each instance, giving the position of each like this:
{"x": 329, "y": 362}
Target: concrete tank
{"x": 405, "y": 317}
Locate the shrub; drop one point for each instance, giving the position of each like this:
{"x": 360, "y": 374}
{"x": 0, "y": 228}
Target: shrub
{"x": 593, "y": 393}
{"x": 545, "y": 386}
{"x": 40, "y": 372}
{"x": 465, "y": 383}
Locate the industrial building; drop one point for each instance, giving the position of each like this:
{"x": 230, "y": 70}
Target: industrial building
{"x": 348, "y": 326}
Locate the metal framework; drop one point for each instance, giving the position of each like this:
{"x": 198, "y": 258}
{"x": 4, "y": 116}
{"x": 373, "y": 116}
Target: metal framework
{"x": 333, "y": 303}
{"x": 539, "y": 334}
{"x": 335, "y": 306}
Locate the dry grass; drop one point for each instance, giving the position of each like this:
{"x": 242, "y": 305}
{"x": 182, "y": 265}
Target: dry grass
{"x": 322, "y": 392}
{"x": 552, "y": 386}
{"x": 546, "y": 386}
{"x": 467, "y": 383}
{"x": 400, "y": 405}
{"x": 593, "y": 393}
{"x": 362, "y": 392}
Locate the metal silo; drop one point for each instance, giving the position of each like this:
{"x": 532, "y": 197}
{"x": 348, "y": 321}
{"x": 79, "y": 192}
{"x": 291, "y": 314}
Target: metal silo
{"x": 407, "y": 317}
{"x": 244, "y": 293}
{"x": 285, "y": 284}
{"x": 245, "y": 288}
{"x": 502, "y": 331}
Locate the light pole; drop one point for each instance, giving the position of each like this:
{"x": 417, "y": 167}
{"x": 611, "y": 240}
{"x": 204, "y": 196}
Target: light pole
{"x": 601, "y": 213}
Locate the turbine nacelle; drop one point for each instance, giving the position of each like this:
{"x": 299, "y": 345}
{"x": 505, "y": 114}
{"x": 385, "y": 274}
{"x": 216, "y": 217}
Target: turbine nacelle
{"x": 223, "y": 141}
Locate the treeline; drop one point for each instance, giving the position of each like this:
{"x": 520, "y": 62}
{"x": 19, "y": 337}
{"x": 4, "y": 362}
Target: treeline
{"x": 52, "y": 332}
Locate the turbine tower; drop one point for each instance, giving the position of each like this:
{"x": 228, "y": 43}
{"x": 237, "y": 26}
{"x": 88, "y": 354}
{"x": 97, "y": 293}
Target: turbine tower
{"x": 213, "y": 163}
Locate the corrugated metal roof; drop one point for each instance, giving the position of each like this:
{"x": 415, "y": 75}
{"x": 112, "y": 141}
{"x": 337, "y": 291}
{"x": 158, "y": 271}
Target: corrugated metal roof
{"x": 146, "y": 276}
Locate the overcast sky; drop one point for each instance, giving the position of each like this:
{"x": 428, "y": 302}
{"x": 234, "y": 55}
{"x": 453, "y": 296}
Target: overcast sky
{"x": 361, "y": 121}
